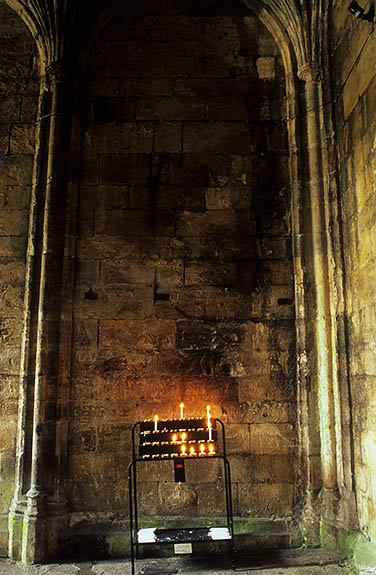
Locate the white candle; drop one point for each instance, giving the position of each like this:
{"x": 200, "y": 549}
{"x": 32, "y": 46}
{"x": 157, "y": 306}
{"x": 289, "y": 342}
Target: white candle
{"x": 209, "y": 423}
{"x": 181, "y": 411}
{"x": 156, "y": 423}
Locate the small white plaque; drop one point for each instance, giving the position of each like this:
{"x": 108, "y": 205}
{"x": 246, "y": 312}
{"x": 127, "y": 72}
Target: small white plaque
{"x": 183, "y": 548}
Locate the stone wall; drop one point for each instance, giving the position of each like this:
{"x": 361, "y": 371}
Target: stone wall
{"x": 184, "y": 288}
{"x": 19, "y": 90}
{"x": 355, "y": 91}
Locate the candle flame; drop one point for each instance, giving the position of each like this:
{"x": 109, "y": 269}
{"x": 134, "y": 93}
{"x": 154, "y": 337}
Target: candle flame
{"x": 192, "y": 450}
{"x": 183, "y": 449}
{"x": 174, "y": 438}
{"x": 211, "y": 448}
{"x": 183, "y": 436}
{"x": 181, "y": 410}
{"x": 202, "y": 448}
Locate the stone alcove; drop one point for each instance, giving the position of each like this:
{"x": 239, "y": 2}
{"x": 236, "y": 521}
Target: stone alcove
{"x": 184, "y": 282}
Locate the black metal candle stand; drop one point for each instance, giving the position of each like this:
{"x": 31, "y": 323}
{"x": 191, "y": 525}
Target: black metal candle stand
{"x": 177, "y": 440}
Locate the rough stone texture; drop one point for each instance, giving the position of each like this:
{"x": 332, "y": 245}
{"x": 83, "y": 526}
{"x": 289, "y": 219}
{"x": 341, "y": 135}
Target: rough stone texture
{"x": 184, "y": 240}
{"x": 292, "y": 563}
{"x": 355, "y": 83}
{"x": 18, "y": 103}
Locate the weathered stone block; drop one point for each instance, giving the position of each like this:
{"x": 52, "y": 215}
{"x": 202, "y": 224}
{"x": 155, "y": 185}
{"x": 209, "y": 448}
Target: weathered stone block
{"x": 129, "y": 364}
{"x": 114, "y": 438}
{"x": 10, "y": 360}
{"x": 87, "y": 272}
{"x": 211, "y": 223}
{"x": 17, "y": 170}
{"x": 116, "y": 302}
{"x": 199, "y": 335}
{"x": 124, "y": 272}
{"x": 147, "y": 496}
{"x": 269, "y": 438}
{"x": 85, "y": 333}
{"x": 7, "y": 466}
{"x": 273, "y": 468}
{"x": 237, "y": 438}
{"x": 6, "y": 494}
{"x": 113, "y": 248}
{"x": 123, "y": 168}
{"x": 169, "y": 109}
{"x": 211, "y": 499}
{"x": 106, "y": 196}
{"x": 10, "y": 332}
{"x": 210, "y": 273}
{"x": 22, "y": 140}
{"x": 146, "y": 87}
{"x": 134, "y": 223}
{"x": 8, "y": 436}
{"x": 177, "y": 499}
{"x": 220, "y": 138}
{"x": 13, "y": 222}
{"x": 150, "y": 334}
{"x": 169, "y": 276}
{"x": 270, "y": 412}
{"x": 264, "y": 500}
{"x": 84, "y": 440}
{"x": 168, "y": 137}
{"x": 203, "y": 471}
{"x": 155, "y": 471}
{"x": 227, "y": 198}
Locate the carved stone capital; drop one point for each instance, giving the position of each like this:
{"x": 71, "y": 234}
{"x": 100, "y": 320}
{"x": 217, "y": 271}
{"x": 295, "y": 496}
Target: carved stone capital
{"x": 310, "y": 72}
{"x": 55, "y": 73}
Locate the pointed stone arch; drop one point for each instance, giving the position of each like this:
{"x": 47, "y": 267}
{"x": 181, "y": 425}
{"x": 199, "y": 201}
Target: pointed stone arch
{"x": 299, "y": 29}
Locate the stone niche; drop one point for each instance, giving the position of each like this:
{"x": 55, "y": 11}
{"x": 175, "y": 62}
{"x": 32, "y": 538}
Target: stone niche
{"x": 184, "y": 284}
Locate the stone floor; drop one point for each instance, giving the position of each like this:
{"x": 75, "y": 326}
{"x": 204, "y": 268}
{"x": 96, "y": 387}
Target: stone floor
{"x": 298, "y": 562}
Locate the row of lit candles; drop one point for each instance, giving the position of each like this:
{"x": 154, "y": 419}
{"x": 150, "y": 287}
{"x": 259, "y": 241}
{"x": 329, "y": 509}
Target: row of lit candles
{"x": 191, "y": 452}
{"x": 183, "y": 450}
{"x": 181, "y": 406}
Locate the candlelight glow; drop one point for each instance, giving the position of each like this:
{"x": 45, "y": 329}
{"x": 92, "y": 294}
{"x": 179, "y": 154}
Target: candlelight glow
{"x": 202, "y": 448}
{"x": 156, "y": 423}
{"x": 174, "y": 438}
{"x": 183, "y": 449}
{"x": 181, "y": 411}
{"x": 183, "y": 436}
{"x": 192, "y": 450}
{"x": 209, "y": 422}
{"x": 211, "y": 448}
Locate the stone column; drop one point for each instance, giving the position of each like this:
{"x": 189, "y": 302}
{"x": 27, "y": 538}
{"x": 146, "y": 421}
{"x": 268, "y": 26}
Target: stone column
{"x": 320, "y": 313}
{"x": 35, "y": 497}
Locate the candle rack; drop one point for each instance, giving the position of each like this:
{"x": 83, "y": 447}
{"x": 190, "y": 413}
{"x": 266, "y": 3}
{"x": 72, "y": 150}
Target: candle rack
{"x": 177, "y": 440}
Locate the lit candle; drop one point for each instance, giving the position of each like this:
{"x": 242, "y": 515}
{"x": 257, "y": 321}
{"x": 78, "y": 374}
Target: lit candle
{"x": 183, "y": 449}
{"x": 211, "y": 449}
{"x": 181, "y": 411}
{"x": 183, "y": 436}
{"x": 209, "y": 423}
{"x": 202, "y": 448}
{"x": 192, "y": 451}
{"x": 174, "y": 438}
{"x": 156, "y": 423}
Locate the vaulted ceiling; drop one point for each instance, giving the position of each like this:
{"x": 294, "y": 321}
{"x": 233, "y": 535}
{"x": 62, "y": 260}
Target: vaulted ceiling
{"x": 59, "y": 26}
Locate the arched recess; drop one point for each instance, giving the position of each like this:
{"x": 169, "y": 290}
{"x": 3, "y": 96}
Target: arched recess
{"x": 296, "y": 28}
{"x": 154, "y": 269}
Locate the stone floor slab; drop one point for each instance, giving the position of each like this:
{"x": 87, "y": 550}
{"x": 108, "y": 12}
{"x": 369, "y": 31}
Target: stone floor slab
{"x": 293, "y": 562}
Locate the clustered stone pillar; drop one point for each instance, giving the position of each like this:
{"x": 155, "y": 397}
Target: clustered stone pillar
{"x": 35, "y": 505}
{"x": 320, "y": 317}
